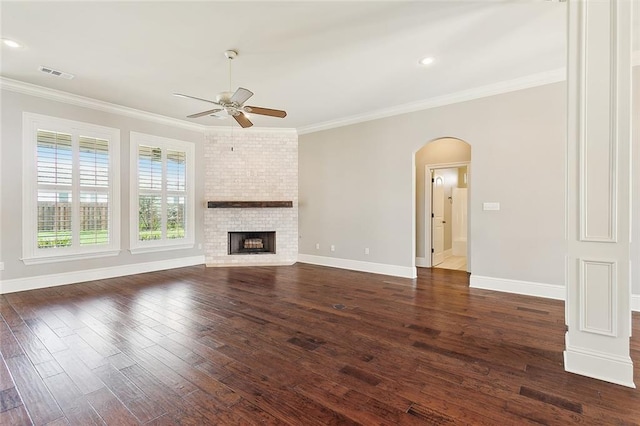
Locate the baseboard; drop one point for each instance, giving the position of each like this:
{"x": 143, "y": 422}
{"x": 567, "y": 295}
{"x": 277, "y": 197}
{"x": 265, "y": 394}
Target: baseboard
{"x": 422, "y": 262}
{"x": 358, "y": 265}
{"x": 549, "y": 291}
{"x": 447, "y": 253}
{"x": 527, "y": 288}
{"x": 233, "y": 265}
{"x": 52, "y": 280}
{"x": 601, "y": 366}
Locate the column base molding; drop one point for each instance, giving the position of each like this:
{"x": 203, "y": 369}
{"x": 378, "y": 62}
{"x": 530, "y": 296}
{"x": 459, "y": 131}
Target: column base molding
{"x": 601, "y": 366}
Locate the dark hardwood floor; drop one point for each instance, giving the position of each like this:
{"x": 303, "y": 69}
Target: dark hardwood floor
{"x": 298, "y": 345}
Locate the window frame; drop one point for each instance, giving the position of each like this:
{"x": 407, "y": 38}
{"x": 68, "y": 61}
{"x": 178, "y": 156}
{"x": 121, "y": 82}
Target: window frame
{"x": 31, "y": 253}
{"x": 135, "y": 245}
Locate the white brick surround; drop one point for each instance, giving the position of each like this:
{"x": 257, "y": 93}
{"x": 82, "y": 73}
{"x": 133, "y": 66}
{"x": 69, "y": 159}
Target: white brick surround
{"x": 251, "y": 165}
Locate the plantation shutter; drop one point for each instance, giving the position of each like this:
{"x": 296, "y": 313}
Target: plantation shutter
{"x": 54, "y": 180}
{"x": 94, "y": 190}
{"x": 176, "y": 193}
{"x": 149, "y": 193}
{"x": 162, "y": 193}
{"x": 71, "y": 185}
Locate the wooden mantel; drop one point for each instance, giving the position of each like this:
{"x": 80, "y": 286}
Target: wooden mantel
{"x": 247, "y": 204}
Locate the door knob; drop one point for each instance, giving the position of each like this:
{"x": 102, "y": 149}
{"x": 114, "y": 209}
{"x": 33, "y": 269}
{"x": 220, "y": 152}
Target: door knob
{"x": 444, "y": 221}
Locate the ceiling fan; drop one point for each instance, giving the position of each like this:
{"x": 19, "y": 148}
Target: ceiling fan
{"x": 233, "y": 102}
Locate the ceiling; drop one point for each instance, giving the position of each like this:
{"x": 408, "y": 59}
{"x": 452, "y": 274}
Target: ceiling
{"x": 321, "y": 61}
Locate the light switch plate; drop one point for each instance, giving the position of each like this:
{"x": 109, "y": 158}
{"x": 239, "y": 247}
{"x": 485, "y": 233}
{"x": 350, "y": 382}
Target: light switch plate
{"x": 491, "y": 206}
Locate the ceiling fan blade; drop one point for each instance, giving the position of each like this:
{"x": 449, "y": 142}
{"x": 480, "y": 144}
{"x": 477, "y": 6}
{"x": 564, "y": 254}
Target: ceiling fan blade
{"x": 180, "y": 95}
{"x": 241, "y": 95}
{"x": 266, "y": 111}
{"x": 243, "y": 120}
{"x": 203, "y": 113}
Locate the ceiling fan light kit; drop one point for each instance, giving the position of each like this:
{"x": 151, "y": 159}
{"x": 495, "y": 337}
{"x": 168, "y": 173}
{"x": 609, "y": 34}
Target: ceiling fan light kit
{"x": 233, "y": 102}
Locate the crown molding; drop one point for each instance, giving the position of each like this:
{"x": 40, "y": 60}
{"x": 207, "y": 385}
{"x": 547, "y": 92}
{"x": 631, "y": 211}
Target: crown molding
{"x": 533, "y": 80}
{"x": 212, "y": 130}
{"x": 72, "y": 99}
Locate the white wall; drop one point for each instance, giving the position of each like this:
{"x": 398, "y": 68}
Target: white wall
{"x": 16, "y": 274}
{"x": 635, "y": 187}
{"x": 357, "y": 184}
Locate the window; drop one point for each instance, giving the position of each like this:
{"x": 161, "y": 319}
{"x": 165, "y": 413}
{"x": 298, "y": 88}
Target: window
{"x": 162, "y": 199}
{"x": 71, "y": 190}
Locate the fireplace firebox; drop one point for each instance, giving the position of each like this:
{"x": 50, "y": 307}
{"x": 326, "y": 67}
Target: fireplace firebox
{"x": 252, "y": 242}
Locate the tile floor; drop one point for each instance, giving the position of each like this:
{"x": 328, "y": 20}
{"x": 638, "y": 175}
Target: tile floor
{"x": 453, "y": 262}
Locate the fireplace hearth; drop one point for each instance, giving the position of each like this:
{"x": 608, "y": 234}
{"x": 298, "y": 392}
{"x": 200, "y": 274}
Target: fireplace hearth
{"x": 245, "y": 242}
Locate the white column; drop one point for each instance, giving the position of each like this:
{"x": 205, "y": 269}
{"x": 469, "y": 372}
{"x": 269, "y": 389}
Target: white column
{"x": 598, "y": 308}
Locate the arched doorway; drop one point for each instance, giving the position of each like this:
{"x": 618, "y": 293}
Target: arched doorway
{"x": 443, "y": 180}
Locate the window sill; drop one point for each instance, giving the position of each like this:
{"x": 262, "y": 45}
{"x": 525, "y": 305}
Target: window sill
{"x": 151, "y": 249}
{"x": 35, "y": 260}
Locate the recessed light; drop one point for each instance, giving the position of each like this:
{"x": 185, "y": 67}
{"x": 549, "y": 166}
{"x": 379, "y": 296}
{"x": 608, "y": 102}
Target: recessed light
{"x": 426, "y": 61}
{"x": 11, "y": 43}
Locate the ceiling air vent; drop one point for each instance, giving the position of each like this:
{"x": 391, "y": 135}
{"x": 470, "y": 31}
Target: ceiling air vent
{"x": 56, "y": 73}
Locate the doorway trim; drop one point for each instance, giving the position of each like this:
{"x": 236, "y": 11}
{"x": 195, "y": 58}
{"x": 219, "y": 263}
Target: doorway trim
{"x": 428, "y": 209}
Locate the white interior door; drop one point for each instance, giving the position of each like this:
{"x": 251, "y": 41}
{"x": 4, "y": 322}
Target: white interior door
{"x": 437, "y": 219}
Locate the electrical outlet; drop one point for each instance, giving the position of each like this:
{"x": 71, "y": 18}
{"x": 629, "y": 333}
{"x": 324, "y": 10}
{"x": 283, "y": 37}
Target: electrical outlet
{"x": 333, "y": 248}
{"x": 366, "y": 250}
{"x": 317, "y": 246}
{"x": 491, "y": 206}
{"x": 1, "y": 266}
{"x": 200, "y": 246}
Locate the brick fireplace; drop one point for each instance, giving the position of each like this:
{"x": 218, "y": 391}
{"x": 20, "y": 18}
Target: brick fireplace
{"x": 251, "y": 185}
